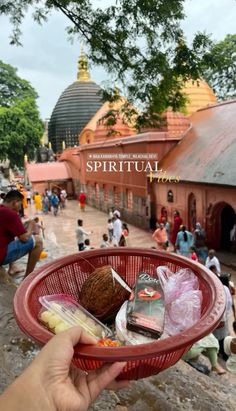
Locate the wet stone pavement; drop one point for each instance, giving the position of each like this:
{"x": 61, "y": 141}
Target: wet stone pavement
{"x": 178, "y": 388}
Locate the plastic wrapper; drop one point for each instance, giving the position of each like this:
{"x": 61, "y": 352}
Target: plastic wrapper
{"x": 60, "y": 312}
{"x": 183, "y": 299}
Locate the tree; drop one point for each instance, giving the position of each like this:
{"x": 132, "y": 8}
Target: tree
{"x": 222, "y": 74}
{"x": 140, "y": 42}
{"x": 20, "y": 126}
{"x": 12, "y": 87}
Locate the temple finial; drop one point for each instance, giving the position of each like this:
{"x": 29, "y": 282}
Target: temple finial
{"x": 83, "y": 72}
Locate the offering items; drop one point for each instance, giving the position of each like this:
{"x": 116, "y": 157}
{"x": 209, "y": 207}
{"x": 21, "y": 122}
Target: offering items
{"x": 145, "y": 311}
{"x": 60, "y": 312}
{"x": 104, "y": 292}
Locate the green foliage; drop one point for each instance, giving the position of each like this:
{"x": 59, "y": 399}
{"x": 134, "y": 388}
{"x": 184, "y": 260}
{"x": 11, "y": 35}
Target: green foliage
{"x": 222, "y": 74}
{"x": 20, "y": 126}
{"x": 140, "y": 42}
{"x": 12, "y": 87}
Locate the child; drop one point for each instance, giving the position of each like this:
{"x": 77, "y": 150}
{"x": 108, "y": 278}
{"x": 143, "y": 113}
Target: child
{"x": 104, "y": 243}
{"x": 38, "y": 227}
{"x": 124, "y": 236}
{"x": 193, "y": 254}
{"x": 87, "y": 245}
{"x": 213, "y": 260}
{"x": 110, "y": 229}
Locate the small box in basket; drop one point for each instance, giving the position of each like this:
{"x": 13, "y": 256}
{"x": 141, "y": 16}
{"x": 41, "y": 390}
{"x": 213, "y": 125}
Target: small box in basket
{"x": 60, "y": 312}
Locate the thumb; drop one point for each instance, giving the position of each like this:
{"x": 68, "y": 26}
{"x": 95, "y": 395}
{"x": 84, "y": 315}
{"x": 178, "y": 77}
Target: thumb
{"x": 61, "y": 345}
{"x": 76, "y": 335}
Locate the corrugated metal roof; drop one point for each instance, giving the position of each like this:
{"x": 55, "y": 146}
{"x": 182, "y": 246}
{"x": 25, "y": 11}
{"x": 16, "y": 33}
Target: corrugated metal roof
{"x": 48, "y": 171}
{"x": 207, "y": 154}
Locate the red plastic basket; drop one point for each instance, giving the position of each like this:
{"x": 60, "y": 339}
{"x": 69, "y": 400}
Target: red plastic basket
{"x": 67, "y": 274}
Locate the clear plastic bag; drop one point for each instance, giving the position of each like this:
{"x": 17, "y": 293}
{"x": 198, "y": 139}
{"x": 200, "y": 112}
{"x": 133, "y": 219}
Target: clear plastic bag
{"x": 183, "y": 299}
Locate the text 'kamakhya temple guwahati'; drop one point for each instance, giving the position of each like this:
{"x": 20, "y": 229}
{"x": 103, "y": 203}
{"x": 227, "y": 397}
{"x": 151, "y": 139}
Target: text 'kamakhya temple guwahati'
{"x": 196, "y": 152}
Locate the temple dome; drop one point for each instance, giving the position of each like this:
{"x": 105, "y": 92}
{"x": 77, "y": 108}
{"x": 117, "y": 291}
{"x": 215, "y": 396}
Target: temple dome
{"x": 75, "y": 107}
{"x": 199, "y": 94}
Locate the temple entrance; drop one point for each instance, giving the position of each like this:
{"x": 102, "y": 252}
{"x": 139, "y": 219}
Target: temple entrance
{"x": 227, "y": 223}
{"x": 221, "y": 222}
{"x": 192, "y": 212}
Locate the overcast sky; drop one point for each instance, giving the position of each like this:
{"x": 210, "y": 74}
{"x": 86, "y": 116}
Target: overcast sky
{"x": 49, "y": 61}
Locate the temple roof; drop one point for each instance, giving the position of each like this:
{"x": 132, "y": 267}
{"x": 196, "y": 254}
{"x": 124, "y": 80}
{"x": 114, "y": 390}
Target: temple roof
{"x": 207, "y": 153}
{"x": 199, "y": 94}
{"x": 75, "y": 107}
{"x": 48, "y": 171}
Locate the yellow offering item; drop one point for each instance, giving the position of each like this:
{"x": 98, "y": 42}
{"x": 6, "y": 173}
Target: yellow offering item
{"x": 45, "y": 316}
{"x": 43, "y": 254}
{"x": 54, "y": 320}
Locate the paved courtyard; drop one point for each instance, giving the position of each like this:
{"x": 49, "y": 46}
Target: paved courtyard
{"x": 60, "y": 230}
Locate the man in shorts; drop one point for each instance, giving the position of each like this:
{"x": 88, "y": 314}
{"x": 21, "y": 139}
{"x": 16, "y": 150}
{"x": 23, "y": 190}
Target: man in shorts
{"x": 15, "y": 240}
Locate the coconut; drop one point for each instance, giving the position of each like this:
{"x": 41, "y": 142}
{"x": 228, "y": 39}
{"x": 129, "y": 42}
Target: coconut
{"x": 101, "y": 294}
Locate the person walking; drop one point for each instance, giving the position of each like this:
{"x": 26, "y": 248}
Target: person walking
{"x": 176, "y": 226}
{"x": 38, "y": 202}
{"x": 184, "y": 242}
{"x": 160, "y": 236}
{"x": 117, "y": 229}
{"x": 110, "y": 229}
{"x": 82, "y": 200}
{"x": 199, "y": 242}
{"x": 80, "y": 235}
{"x": 28, "y": 196}
{"x": 167, "y": 227}
{"x": 55, "y": 203}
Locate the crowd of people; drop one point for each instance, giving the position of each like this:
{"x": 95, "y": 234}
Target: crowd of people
{"x": 116, "y": 235}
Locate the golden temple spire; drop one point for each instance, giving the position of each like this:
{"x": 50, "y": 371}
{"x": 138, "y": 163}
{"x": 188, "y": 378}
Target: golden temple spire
{"x": 83, "y": 73}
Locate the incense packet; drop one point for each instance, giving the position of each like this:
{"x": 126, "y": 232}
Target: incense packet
{"x": 145, "y": 310}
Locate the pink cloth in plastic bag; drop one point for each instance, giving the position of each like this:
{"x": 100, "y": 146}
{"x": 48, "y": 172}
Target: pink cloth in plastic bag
{"x": 183, "y": 299}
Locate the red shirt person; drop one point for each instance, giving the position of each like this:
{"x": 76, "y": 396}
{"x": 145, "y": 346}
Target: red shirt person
{"x": 82, "y": 199}
{"x": 163, "y": 215}
{"x": 15, "y": 240}
{"x": 176, "y": 226}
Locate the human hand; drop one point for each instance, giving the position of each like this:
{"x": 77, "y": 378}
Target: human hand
{"x": 68, "y": 388}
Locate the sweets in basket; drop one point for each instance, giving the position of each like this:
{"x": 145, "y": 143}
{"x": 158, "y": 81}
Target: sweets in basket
{"x": 104, "y": 292}
{"x": 60, "y": 312}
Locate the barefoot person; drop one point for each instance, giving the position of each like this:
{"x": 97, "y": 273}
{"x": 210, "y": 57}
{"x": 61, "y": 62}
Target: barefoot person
{"x": 15, "y": 240}
{"x": 209, "y": 347}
